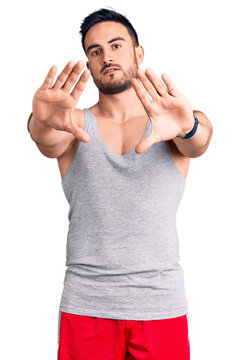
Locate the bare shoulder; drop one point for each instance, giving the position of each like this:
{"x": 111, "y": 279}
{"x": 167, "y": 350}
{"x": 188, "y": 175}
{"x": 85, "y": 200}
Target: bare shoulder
{"x": 66, "y": 158}
{"x": 181, "y": 161}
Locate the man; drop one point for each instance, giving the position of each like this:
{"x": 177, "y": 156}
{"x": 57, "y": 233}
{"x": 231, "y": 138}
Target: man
{"x": 123, "y": 164}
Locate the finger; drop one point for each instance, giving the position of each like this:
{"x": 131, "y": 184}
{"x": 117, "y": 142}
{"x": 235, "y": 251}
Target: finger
{"x": 81, "y": 84}
{"x": 145, "y": 144}
{"x": 147, "y": 84}
{"x": 170, "y": 85}
{"x": 49, "y": 78}
{"x": 73, "y": 76}
{"x": 159, "y": 86}
{"x": 62, "y": 77}
{"x": 141, "y": 94}
{"x": 77, "y": 132}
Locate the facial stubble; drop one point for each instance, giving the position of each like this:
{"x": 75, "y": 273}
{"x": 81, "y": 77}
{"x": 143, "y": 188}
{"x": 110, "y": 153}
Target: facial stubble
{"x": 119, "y": 85}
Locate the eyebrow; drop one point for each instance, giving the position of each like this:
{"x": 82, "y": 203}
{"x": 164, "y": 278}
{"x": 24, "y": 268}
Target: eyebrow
{"x": 109, "y": 42}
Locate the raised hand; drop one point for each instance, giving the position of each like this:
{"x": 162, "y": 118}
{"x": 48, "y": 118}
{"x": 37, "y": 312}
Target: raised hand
{"x": 53, "y": 105}
{"x": 170, "y": 112}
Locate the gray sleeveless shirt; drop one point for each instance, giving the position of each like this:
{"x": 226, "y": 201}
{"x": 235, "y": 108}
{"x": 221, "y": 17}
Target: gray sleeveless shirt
{"x": 122, "y": 243}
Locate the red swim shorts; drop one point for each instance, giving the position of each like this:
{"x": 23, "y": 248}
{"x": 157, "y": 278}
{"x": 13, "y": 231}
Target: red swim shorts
{"x": 91, "y": 338}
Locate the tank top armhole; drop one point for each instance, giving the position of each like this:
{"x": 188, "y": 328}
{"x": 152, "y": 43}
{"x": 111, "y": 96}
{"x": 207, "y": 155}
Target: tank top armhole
{"x": 85, "y": 127}
{"x": 171, "y": 161}
{"x": 85, "y": 121}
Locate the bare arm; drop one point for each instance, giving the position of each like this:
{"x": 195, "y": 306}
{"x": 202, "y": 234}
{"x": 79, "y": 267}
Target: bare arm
{"x": 51, "y": 142}
{"x": 199, "y": 142}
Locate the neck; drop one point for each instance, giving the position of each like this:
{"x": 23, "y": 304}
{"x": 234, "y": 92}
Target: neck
{"x": 121, "y": 107}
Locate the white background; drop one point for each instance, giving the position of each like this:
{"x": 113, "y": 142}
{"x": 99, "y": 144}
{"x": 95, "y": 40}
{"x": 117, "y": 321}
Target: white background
{"x": 197, "y": 44}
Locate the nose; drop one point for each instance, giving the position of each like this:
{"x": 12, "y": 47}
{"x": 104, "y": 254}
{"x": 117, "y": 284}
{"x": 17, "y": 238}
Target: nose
{"x": 107, "y": 57}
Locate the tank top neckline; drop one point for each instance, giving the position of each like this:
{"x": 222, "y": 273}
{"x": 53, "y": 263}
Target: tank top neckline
{"x": 108, "y": 149}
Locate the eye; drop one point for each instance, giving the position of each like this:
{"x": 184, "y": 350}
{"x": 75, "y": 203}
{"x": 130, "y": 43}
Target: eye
{"x": 94, "y": 52}
{"x": 117, "y": 45}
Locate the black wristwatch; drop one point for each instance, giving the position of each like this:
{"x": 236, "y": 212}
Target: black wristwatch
{"x": 29, "y": 121}
{"x": 192, "y": 132}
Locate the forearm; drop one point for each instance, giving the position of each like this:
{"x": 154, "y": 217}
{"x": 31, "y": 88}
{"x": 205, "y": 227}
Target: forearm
{"x": 198, "y": 143}
{"x": 42, "y": 134}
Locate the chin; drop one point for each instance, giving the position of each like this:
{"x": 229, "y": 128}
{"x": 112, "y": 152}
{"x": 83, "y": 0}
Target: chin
{"x": 115, "y": 89}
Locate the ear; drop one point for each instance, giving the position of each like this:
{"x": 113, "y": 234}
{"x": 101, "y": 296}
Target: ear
{"x": 139, "y": 51}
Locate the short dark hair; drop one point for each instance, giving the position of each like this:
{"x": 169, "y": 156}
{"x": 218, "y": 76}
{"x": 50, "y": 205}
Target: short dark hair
{"x": 102, "y": 15}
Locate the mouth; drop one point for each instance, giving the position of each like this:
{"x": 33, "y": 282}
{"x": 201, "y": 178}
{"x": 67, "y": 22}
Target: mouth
{"x": 110, "y": 70}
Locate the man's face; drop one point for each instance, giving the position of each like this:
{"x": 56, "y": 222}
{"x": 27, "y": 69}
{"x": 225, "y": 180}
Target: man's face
{"x": 104, "y": 52}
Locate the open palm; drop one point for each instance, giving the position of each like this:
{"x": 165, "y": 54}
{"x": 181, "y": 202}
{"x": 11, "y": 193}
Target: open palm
{"x": 170, "y": 111}
{"x": 53, "y": 105}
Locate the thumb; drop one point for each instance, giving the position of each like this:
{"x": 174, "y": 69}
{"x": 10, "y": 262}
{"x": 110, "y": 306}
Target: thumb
{"x": 78, "y": 133}
{"x": 145, "y": 144}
